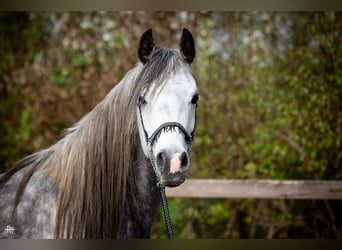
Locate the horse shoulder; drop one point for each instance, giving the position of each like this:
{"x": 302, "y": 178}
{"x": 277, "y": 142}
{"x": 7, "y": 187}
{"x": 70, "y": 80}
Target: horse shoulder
{"x": 35, "y": 213}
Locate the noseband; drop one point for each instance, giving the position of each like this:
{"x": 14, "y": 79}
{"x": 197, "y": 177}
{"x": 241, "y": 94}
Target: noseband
{"x": 150, "y": 140}
{"x": 167, "y": 126}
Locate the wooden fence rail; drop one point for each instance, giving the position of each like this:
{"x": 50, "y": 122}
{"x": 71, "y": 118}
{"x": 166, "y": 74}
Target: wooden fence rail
{"x": 259, "y": 189}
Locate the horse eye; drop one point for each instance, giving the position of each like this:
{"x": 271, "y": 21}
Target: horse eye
{"x": 195, "y": 98}
{"x": 141, "y": 100}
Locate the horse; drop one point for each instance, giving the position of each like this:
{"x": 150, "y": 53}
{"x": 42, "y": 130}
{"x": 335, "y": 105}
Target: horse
{"x": 100, "y": 180}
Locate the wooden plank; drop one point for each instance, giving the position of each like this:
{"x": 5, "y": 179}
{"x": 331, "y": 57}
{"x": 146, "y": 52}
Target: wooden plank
{"x": 259, "y": 189}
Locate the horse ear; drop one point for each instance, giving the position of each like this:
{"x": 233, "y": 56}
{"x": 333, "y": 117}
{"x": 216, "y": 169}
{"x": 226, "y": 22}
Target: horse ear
{"x": 146, "y": 46}
{"x": 187, "y": 46}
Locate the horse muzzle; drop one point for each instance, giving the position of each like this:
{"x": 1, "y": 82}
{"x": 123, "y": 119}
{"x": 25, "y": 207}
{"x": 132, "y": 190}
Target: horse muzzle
{"x": 173, "y": 167}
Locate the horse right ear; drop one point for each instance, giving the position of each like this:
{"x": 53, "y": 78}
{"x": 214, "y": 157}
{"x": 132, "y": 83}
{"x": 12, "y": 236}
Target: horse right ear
{"x": 146, "y": 46}
{"x": 187, "y": 46}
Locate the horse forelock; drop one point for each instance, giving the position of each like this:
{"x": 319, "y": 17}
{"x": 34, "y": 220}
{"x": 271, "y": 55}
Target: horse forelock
{"x": 164, "y": 64}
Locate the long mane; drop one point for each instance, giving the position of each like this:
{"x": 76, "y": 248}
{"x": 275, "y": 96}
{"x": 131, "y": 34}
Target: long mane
{"x": 102, "y": 148}
{"x": 93, "y": 164}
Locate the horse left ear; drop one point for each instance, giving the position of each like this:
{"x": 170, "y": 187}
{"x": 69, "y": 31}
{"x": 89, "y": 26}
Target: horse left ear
{"x": 187, "y": 46}
{"x": 146, "y": 46}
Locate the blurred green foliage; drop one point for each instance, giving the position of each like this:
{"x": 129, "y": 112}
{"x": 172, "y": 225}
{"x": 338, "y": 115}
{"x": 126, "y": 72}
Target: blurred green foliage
{"x": 270, "y": 106}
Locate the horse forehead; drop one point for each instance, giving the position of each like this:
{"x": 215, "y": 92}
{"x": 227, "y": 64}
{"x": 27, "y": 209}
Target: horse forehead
{"x": 185, "y": 78}
{"x": 181, "y": 84}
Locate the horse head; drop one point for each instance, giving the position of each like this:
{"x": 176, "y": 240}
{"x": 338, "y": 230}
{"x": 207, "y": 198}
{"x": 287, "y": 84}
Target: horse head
{"x": 167, "y": 107}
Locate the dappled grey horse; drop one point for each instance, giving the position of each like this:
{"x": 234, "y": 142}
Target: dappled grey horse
{"x": 100, "y": 180}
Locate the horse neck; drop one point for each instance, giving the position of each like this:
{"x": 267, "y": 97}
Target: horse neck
{"x": 142, "y": 201}
{"x": 100, "y": 169}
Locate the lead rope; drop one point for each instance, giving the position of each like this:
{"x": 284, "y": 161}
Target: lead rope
{"x": 163, "y": 198}
{"x": 166, "y": 211}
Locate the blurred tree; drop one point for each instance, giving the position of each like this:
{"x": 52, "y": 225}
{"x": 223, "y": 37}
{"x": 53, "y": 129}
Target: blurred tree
{"x": 21, "y": 39}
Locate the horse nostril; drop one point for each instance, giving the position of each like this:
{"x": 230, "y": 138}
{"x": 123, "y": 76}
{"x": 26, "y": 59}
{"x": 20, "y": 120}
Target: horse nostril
{"x": 184, "y": 159}
{"x": 161, "y": 159}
